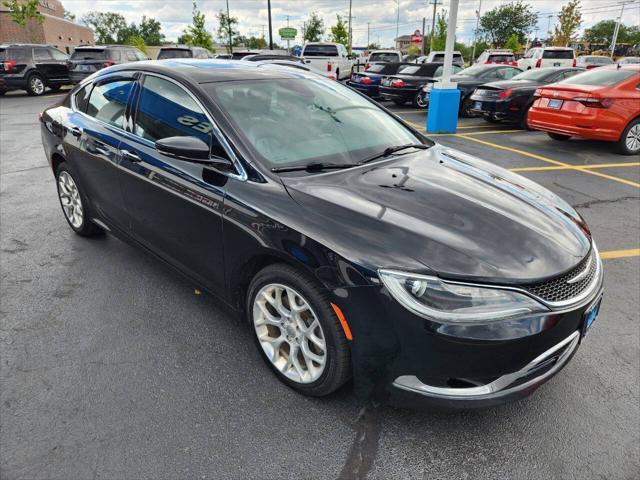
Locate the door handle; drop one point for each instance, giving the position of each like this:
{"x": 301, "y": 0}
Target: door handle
{"x": 131, "y": 156}
{"x": 76, "y": 131}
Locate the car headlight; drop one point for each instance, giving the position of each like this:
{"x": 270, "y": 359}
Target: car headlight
{"x": 446, "y": 302}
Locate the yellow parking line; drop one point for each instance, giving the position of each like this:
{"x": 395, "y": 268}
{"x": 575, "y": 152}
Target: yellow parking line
{"x": 582, "y": 167}
{"x": 459, "y": 127}
{"x": 551, "y": 161}
{"x": 632, "y": 252}
{"x": 474, "y": 133}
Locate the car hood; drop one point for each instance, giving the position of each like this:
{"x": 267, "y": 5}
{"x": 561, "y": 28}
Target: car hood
{"x": 443, "y": 211}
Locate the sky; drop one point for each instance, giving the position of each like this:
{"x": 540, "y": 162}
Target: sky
{"x": 381, "y": 15}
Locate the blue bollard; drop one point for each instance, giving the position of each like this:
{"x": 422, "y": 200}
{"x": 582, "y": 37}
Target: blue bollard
{"x": 442, "y": 116}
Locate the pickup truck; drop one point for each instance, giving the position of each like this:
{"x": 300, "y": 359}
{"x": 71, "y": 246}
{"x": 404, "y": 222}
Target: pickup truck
{"x": 328, "y": 59}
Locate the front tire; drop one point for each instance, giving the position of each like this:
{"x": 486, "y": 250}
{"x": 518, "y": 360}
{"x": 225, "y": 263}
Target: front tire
{"x": 558, "y": 136}
{"x": 74, "y": 204}
{"x": 297, "y": 331}
{"x": 35, "y": 85}
{"x": 629, "y": 143}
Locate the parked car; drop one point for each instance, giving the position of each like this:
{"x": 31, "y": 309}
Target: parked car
{"x": 469, "y": 79}
{"x": 600, "y": 104}
{"x": 510, "y": 100}
{"x": 499, "y": 56}
{"x": 223, "y": 56}
{"x": 628, "y": 60}
{"x": 540, "y": 57}
{"x": 383, "y": 56}
{"x": 32, "y": 68}
{"x": 327, "y": 59}
{"x": 183, "y": 51}
{"x": 437, "y": 56}
{"x": 369, "y": 82}
{"x": 405, "y": 86}
{"x": 356, "y": 248}
{"x": 86, "y": 61}
{"x": 593, "y": 61}
{"x": 410, "y": 58}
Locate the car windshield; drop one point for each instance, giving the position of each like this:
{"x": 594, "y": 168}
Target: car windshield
{"x": 320, "y": 51}
{"x": 558, "y": 54}
{"x": 174, "y": 53}
{"x": 90, "y": 54}
{"x": 473, "y": 71}
{"x": 383, "y": 57}
{"x": 297, "y": 122}
{"x": 601, "y": 76}
{"x": 535, "y": 74}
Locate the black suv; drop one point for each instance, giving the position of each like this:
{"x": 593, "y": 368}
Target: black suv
{"x": 183, "y": 51}
{"x": 87, "y": 60}
{"x": 32, "y": 68}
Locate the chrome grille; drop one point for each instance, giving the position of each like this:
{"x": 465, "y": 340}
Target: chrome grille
{"x": 569, "y": 285}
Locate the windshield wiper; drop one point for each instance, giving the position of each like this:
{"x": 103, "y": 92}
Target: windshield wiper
{"x": 390, "y": 150}
{"x": 314, "y": 167}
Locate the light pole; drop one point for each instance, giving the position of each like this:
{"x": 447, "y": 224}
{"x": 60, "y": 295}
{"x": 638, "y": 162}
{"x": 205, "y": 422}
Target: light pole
{"x": 614, "y": 40}
{"x": 349, "y": 50}
{"x": 229, "y": 29}
{"x": 270, "y": 30}
{"x": 398, "y": 20}
{"x": 475, "y": 33}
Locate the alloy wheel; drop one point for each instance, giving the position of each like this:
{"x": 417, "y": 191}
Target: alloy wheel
{"x": 37, "y": 85}
{"x": 633, "y": 138}
{"x": 290, "y": 333}
{"x": 70, "y": 199}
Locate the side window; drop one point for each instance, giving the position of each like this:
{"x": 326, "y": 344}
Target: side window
{"x": 42, "y": 54}
{"x": 508, "y": 73}
{"x": 115, "y": 55}
{"x": 131, "y": 56}
{"x": 82, "y": 98}
{"x": 167, "y": 110}
{"x": 57, "y": 55}
{"x": 493, "y": 73}
{"x": 569, "y": 74}
{"x": 108, "y": 101}
{"x": 139, "y": 55}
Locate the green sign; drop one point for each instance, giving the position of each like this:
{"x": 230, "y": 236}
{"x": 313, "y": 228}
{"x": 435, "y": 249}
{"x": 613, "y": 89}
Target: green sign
{"x": 288, "y": 33}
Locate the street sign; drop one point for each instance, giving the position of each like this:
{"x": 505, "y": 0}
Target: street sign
{"x": 288, "y": 33}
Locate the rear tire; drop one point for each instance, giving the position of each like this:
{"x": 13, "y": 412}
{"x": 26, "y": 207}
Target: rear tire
{"x": 558, "y": 136}
{"x": 35, "y": 85}
{"x": 280, "y": 329}
{"x": 465, "y": 108}
{"x": 629, "y": 143}
{"x": 418, "y": 101}
{"x": 524, "y": 122}
{"x": 74, "y": 204}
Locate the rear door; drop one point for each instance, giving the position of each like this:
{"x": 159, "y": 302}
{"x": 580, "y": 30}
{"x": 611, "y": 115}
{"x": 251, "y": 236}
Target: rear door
{"x": 176, "y": 206}
{"x": 44, "y": 62}
{"x": 59, "y": 66}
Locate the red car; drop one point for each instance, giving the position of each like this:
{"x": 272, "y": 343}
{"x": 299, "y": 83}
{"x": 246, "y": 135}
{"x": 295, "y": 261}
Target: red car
{"x": 600, "y": 104}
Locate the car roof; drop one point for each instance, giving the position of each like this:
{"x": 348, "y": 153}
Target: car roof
{"x": 209, "y": 70}
{"x": 177, "y": 47}
{"x": 13, "y": 45}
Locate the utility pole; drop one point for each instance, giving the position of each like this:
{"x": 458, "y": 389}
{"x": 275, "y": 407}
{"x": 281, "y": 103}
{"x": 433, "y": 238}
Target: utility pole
{"x": 270, "y": 31}
{"x": 350, "y": 40}
{"x": 475, "y": 33}
{"x": 368, "y": 35}
{"x": 424, "y": 21}
{"x": 435, "y": 4}
{"x": 397, "y": 19}
{"x": 288, "y": 49}
{"x": 549, "y": 27}
{"x": 229, "y": 29}
{"x": 614, "y": 40}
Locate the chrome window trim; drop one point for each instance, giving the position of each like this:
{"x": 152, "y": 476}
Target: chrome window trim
{"x": 241, "y": 175}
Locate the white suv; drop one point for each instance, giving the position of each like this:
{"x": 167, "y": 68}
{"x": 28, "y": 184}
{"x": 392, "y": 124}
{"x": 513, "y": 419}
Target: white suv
{"x": 541, "y": 57}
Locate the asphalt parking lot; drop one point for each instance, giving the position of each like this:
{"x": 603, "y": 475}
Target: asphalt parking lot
{"x": 113, "y": 367}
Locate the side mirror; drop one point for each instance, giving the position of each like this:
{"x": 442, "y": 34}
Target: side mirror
{"x": 188, "y": 149}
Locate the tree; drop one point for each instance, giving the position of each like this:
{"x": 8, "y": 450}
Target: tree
{"x": 373, "y": 46}
{"x": 513, "y": 44}
{"x": 505, "y": 20}
{"x": 69, "y": 16}
{"x": 106, "y": 25}
{"x": 138, "y": 42}
{"x": 440, "y": 35}
{"x": 256, "y": 43}
{"x": 150, "y": 31}
{"x": 569, "y": 21}
{"x": 197, "y": 34}
{"x": 227, "y": 30}
{"x": 602, "y": 32}
{"x": 313, "y": 28}
{"x": 127, "y": 32}
{"x": 339, "y": 33}
{"x": 25, "y": 14}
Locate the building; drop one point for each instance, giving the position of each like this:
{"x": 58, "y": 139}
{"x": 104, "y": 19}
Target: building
{"x": 55, "y": 30}
{"x": 403, "y": 42}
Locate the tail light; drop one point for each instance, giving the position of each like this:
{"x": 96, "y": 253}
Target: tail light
{"x": 107, "y": 64}
{"x": 397, "y": 83}
{"x": 575, "y": 63}
{"x": 514, "y": 63}
{"x": 9, "y": 64}
{"x": 328, "y": 66}
{"x": 488, "y": 62}
{"x": 537, "y": 93}
{"x": 505, "y": 93}
{"x": 366, "y": 66}
{"x": 539, "y": 63}
{"x": 366, "y": 80}
{"x": 594, "y": 102}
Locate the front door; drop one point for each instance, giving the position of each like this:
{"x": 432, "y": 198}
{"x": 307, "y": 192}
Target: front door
{"x": 176, "y": 206}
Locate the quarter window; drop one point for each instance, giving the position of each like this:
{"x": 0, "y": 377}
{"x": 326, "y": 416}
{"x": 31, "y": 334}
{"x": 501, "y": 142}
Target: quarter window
{"x": 58, "y": 55}
{"x": 108, "y": 101}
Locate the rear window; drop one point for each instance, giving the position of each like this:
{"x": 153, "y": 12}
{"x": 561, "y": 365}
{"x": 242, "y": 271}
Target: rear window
{"x": 174, "y": 53}
{"x": 320, "y": 51}
{"x": 601, "y": 77}
{"x": 90, "y": 54}
{"x": 376, "y": 68}
{"x": 558, "y": 54}
{"x": 600, "y": 60}
{"x": 501, "y": 58}
{"x": 439, "y": 57}
{"x": 408, "y": 69}
{"x": 384, "y": 57}
{"x": 16, "y": 54}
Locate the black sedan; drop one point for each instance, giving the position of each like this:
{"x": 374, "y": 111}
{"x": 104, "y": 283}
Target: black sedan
{"x": 352, "y": 249}
{"x": 469, "y": 79}
{"x": 368, "y": 82}
{"x": 509, "y": 100}
{"x": 405, "y": 85}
